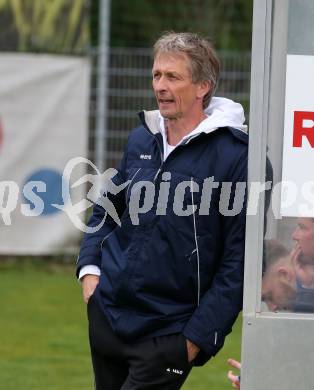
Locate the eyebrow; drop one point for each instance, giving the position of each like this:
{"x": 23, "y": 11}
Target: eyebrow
{"x": 168, "y": 72}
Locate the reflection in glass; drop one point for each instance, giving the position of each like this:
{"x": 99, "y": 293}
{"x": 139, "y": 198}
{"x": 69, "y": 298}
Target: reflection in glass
{"x": 288, "y": 275}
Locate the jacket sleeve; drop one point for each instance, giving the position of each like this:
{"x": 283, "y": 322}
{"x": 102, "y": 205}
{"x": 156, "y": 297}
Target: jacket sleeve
{"x": 220, "y": 305}
{"x": 90, "y": 250}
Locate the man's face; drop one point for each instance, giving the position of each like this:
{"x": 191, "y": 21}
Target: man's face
{"x": 304, "y": 235}
{"x": 177, "y": 96}
{"x": 278, "y": 288}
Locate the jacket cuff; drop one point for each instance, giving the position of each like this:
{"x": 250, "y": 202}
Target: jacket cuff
{"x": 89, "y": 270}
{"x": 210, "y": 344}
{"x": 86, "y": 261}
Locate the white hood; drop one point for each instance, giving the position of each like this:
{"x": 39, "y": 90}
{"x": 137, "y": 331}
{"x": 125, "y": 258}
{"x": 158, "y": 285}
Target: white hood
{"x": 221, "y": 112}
{"x": 224, "y": 112}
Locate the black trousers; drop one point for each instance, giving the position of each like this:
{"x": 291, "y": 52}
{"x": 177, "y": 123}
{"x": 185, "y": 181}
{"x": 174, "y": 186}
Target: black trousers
{"x": 157, "y": 363}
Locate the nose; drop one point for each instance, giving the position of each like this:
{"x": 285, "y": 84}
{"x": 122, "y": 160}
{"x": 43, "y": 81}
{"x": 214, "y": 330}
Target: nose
{"x": 295, "y": 235}
{"x": 272, "y": 306}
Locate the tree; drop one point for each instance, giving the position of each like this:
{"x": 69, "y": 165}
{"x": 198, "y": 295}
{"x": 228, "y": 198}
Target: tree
{"x": 37, "y": 25}
{"x": 140, "y": 22}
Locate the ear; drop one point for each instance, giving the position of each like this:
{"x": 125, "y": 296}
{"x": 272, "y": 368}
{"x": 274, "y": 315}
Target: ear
{"x": 284, "y": 274}
{"x": 203, "y": 88}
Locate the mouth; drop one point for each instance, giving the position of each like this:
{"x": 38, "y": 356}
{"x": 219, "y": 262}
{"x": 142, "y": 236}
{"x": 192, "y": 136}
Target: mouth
{"x": 165, "y": 101}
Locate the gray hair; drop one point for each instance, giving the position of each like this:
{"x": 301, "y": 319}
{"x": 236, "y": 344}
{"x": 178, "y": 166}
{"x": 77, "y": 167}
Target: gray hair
{"x": 204, "y": 62}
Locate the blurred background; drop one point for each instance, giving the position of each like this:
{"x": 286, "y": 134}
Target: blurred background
{"x": 73, "y": 75}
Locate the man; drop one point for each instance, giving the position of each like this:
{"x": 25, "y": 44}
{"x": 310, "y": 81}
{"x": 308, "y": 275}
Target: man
{"x": 165, "y": 287}
{"x": 279, "y": 285}
{"x": 304, "y": 265}
{"x": 289, "y": 277}
{"x": 304, "y": 237}
{"x": 281, "y": 288}
{"x": 278, "y": 288}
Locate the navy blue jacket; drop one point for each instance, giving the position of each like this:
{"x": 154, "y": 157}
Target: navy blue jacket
{"x": 173, "y": 273}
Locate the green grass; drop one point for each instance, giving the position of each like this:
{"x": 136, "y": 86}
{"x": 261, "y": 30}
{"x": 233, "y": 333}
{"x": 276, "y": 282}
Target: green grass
{"x": 43, "y": 328}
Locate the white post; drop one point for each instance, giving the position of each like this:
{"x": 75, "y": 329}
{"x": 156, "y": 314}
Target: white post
{"x": 102, "y": 85}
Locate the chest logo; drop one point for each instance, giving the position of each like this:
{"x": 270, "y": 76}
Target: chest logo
{"x": 145, "y": 156}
